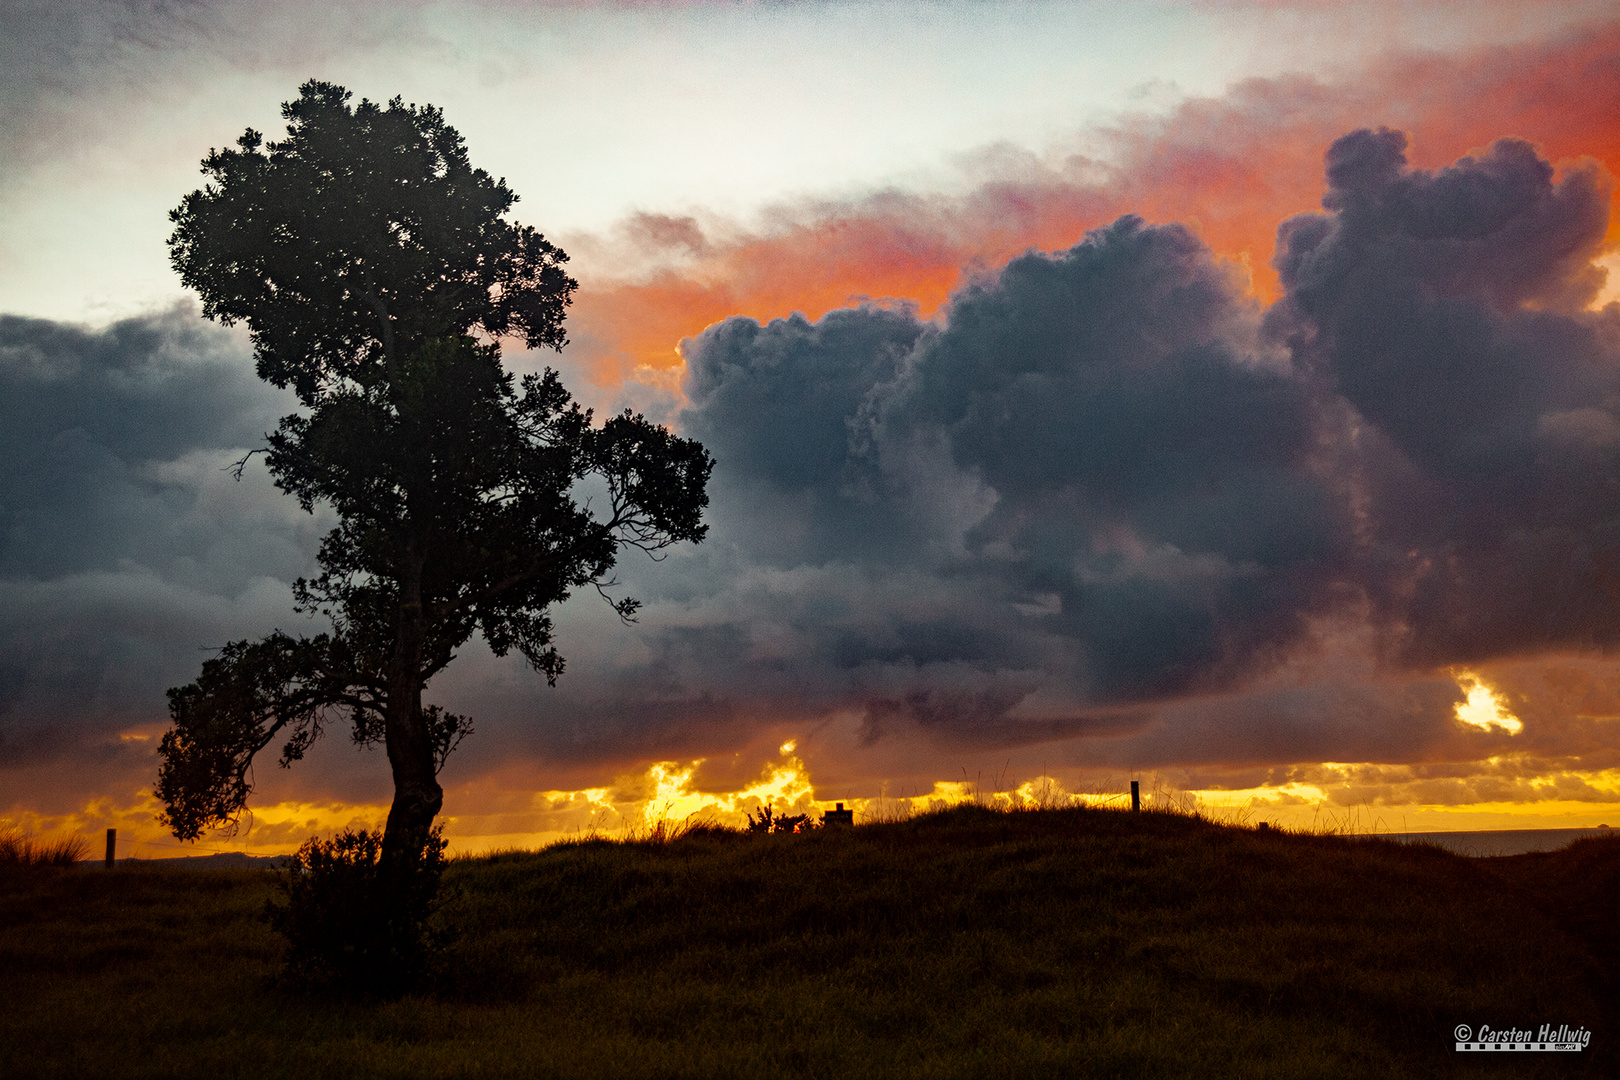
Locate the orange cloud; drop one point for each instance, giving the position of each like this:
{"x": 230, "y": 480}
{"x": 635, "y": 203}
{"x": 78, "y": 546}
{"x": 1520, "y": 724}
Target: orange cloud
{"x": 1232, "y": 167}
{"x": 890, "y": 247}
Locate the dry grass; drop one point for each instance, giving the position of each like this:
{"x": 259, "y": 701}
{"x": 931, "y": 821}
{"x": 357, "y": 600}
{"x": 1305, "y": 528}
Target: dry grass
{"x": 19, "y": 850}
{"x": 969, "y": 943}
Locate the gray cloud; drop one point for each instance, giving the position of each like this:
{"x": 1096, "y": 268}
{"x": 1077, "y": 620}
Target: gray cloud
{"x": 1445, "y": 309}
{"x": 1102, "y": 499}
{"x": 100, "y": 432}
{"x": 779, "y": 406}
{"x": 51, "y": 51}
{"x": 125, "y": 547}
{"x": 1149, "y": 474}
{"x": 1083, "y": 491}
{"x": 1097, "y": 498}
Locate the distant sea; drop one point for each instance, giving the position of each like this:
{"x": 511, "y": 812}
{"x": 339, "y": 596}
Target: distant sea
{"x": 1501, "y": 841}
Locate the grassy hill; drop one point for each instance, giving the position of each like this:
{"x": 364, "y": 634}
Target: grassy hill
{"x": 970, "y": 943}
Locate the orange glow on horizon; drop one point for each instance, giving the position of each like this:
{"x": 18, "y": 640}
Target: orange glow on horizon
{"x": 272, "y": 829}
{"x": 1330, "y": 797}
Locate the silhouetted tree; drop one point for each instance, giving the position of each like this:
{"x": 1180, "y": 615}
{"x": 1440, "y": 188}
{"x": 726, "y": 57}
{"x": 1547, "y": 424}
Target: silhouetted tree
{"x": 364, "y": 252}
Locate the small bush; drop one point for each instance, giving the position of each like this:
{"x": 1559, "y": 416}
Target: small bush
{"x": 787, "y": 823}
{"x": 18, "y": 850}
{"x": 346, "y": 926}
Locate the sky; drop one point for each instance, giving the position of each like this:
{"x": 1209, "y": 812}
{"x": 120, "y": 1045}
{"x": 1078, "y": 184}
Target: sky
{"x": 1223, "y": 396}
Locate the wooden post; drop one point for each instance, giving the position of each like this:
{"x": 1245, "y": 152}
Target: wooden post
{"x": 1136, "y": 798}
{"x": 112, "y": 846}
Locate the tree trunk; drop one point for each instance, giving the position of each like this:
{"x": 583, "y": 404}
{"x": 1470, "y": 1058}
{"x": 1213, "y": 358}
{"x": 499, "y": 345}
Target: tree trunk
{"x": 417, "y": 795}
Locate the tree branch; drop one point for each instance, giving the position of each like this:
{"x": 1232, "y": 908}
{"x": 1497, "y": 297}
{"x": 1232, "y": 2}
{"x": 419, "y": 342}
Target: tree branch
{"x": 236, "y": 467}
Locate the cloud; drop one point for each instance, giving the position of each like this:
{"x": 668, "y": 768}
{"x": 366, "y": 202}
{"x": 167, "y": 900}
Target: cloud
{"x": 1229, "y": 167}
{"x": 125, "y": 546}
{"x": 101, "y": 432}
{"x": 1085, "y": 488}
{"x": 1148, "y": 473}
{"x": 1446, "y": 310}
{"x": 1100, "y": 499}
{"x": 1101, "y": 502}
{"x": 982, "y": 486}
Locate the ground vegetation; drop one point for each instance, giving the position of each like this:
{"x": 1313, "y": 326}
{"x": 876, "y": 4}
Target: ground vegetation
{"x": 969, "y": 943}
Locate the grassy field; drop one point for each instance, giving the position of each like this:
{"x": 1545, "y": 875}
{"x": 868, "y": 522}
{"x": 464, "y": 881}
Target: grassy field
{"x": 970, "y": 943}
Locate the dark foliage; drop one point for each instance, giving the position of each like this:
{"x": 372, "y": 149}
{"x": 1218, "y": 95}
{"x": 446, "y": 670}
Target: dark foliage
{"x": 768, "y": 821}
{"x": 347, "y": 926}
{"x": 365, "y": 232}
{"x": 364, "y": 253}
{"x": 242, "y": 700}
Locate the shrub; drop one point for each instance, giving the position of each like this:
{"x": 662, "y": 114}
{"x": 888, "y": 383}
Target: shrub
{"x": 788, "y": 823}
{"x": 346, "y": 926}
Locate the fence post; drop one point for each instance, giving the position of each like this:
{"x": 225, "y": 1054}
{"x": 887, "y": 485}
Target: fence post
{"x": 1136, "y": 797}
{"x": 112, "y": 846}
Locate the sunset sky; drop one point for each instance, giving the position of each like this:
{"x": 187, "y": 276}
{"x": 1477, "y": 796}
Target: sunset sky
{"x": 1220, "y": 395}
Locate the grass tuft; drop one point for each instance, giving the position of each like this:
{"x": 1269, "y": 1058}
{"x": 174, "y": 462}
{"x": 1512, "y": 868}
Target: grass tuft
{"x": 19, "y": 850}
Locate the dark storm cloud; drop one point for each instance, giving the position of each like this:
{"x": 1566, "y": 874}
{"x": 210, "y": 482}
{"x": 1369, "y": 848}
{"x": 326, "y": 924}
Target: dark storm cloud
{"x": 1446, "y": 308}
{"x": 778, "y": 405}
{"x": 1086, "y": 489}
{"x": 1149, "y": 475}
{"x": 1331, "y": 720}
{"x": 1099, "y": 496}
{"x": 124, "y": 545}
{"x": 96, "y": 429}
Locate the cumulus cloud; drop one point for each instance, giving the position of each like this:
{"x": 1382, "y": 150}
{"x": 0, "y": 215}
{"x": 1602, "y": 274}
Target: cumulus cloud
{"x": 1149, "y": 473}
{"x": 101, "y": 432}
{"x": 1445, "y": 310}
{"x": 125, "y": 546}
{"x": 1102, "y": 499}
{"x": 1229, "y": 166}
{"x": 1086, "y": 489}
{"x": 1103, "y": 495}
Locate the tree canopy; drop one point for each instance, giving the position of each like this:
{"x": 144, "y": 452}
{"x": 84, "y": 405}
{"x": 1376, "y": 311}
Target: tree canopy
{"x": 376, "y": 271}
{"x": 358, "y": 237}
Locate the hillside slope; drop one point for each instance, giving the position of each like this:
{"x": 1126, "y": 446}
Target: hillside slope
{"x": 969, "y": 943}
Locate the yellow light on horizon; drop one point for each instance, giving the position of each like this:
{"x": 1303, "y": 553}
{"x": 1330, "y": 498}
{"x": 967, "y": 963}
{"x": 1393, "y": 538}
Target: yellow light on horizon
{"x": 1329, "y": 797}
{"x": 670, "y": 797}
{"x": 1483, "y": 709}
